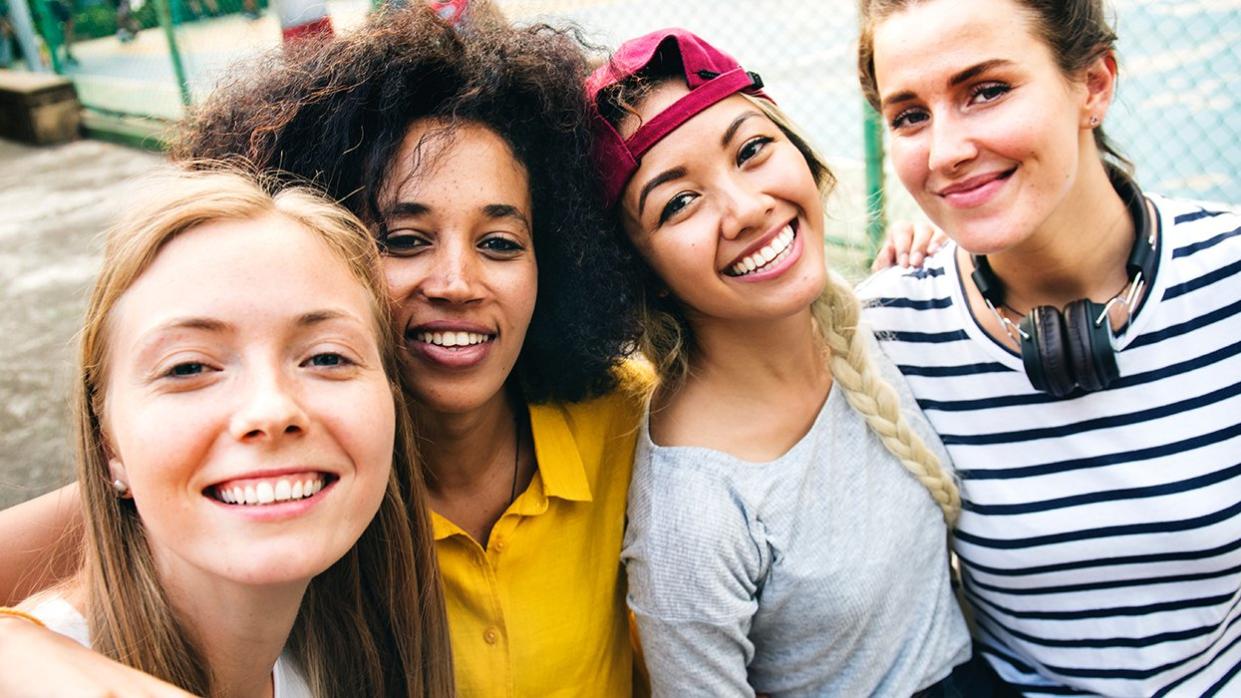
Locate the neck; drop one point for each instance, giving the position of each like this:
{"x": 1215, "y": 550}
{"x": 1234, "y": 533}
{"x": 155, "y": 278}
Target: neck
{"x": 240, "y": 629}
{"x": 761, "y": 357}
{"x": 1079, "y": 252}
{"x": 463, "y": 449}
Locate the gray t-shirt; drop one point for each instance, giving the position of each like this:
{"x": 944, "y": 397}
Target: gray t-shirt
{"x": 822, "y": 572}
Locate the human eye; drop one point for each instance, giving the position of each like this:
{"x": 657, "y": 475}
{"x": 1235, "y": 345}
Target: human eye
{"x": 186, "y": 369}
{"x": 183, "y": 374}
{"x": 988, "y": 92}
{"x": 675, "y": 205}
{"x": 328, "y": 359}
{"x": 501, "y": 246}
{"x": 401, "y": 242}
{"x": 752, "y": 148}
{"x": 908, "y": 118}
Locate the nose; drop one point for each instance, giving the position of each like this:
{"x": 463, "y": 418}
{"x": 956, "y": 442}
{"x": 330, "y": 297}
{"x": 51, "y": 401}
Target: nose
{"x": 951, "y": 144}
{"x": 270, "y": 409}
{"x": 454, "y": 275}
{"x": 746, "y": 207}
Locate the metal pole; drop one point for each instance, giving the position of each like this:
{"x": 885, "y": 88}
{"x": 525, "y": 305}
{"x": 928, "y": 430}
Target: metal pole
{"x": 51, "y": 33}
{"x": 23, "y": 27}
{"x": 165, "y": 19}
{"x": 876, "y": 218}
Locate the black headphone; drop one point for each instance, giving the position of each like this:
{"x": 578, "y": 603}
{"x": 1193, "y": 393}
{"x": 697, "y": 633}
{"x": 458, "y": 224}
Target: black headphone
{"x": 1070, "y": 349}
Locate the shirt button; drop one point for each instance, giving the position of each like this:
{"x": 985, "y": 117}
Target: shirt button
{"x": 498, "y": 545}
{"x": 491, "y": 636}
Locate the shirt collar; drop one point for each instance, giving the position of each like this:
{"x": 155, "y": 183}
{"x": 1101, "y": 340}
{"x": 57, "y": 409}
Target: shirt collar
{"x": 556, "y": 451}
{"x": 561, "y": 473}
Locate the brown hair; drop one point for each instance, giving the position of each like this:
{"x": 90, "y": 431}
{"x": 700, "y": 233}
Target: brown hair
{"x": 1076, "y": 31}
{"x": 373, "y": 623}
{"x": 667, "y": 340}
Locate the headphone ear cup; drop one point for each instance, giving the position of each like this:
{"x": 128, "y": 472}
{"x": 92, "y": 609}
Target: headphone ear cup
{"x": 1044, "y": 353}
{"x": 1090, "y": 345}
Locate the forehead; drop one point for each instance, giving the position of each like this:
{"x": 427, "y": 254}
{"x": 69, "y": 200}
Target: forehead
{"x": 457, "y": 165}
{"x": 247, "y": 272}
{"x": 932, "y": 39}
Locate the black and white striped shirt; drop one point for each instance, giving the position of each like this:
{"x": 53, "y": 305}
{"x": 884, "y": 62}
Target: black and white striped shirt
{"x": 1100, "y": 543}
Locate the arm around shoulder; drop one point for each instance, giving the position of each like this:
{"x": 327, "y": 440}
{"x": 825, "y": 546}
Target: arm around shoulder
{"x": 40, "y": 541}
{"x": 31, "y": 655}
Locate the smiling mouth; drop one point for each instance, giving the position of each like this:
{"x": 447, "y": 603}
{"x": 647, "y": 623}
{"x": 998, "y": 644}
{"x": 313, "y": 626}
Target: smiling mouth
{"x": 780, "y": 247}
{"x": 267, "y": 491}
{"x": 451, "y": 339}
{"x": 964, "y": 189}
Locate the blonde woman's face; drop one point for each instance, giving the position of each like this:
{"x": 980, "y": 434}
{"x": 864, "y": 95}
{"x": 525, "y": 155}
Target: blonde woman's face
{"x": 727, "y": 213}
{"x": 247, "y": 406}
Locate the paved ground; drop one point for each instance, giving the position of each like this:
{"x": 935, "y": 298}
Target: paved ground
{"x": 55, "y": 201}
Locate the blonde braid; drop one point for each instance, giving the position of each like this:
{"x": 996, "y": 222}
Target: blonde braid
{"x": 836, "y": 312}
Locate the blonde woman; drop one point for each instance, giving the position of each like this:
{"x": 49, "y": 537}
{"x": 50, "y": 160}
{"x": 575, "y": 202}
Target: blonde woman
{"x": 787, "y": 518}
{"x": 254, "y": 522}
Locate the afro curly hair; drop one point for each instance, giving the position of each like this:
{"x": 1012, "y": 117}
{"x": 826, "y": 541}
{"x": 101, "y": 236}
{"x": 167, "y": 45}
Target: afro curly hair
{"x": 335, "y": 114}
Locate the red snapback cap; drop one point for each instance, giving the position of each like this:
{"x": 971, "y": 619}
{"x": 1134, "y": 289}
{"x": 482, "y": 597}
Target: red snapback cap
{"x": 710, "y": 74}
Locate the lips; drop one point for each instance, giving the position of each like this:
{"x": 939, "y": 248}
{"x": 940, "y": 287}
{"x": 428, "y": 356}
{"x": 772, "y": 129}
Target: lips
{"x": 976, "y": 190}
{"x": 450, "y": 344}
{"x": 775, "y": 243}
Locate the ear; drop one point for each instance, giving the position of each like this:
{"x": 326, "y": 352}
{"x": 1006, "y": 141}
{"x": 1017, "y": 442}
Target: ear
{"x": 1099, "y": 79}
{"x": 116, "y": 470}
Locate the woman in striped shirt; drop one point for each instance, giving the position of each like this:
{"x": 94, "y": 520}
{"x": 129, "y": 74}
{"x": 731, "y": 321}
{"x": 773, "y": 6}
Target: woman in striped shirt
{"x": 1076, "y": 349}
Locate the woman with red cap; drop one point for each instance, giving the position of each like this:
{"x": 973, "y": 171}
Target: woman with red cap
{"x": 787, "y": 518}
{"x": 1076, "y": 348}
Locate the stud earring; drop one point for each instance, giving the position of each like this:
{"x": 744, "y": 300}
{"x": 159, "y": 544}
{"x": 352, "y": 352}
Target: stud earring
{"x": 121, "y": 488}
{"x": 1094, "y": 121}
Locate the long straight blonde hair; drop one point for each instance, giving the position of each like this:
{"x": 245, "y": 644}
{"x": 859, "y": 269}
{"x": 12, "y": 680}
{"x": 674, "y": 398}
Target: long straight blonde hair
{"x": 666, "y": 337}
{"x": 372, "y": 624}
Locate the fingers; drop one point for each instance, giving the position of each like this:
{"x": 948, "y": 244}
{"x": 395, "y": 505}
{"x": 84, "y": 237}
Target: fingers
{"x": 908, "y": 245}
{"x": 896, "y": 246}
{"x": 885, "y": 257}
{"x": 920, "y": 248}
{"x": 79, "y": 672}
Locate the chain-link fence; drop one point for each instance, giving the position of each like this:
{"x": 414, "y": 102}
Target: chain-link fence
{"x": 1180, "y": 71}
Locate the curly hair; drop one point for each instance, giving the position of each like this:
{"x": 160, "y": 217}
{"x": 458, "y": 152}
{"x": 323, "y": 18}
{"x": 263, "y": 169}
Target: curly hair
{"x": 336, "y": 114}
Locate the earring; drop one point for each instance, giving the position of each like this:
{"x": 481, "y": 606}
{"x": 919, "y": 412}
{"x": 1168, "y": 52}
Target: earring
{"x": 121, "y": 488}
{"x": 1094, "y": 121}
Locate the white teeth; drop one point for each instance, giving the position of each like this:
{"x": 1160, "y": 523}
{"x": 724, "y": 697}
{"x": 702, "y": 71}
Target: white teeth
{"x": 268, "y": 492}
{"x": 777, "y": 249}
{"x": 453, "y": 339}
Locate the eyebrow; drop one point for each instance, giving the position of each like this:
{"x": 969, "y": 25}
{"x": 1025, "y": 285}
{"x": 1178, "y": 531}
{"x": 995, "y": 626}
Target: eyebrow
{"x": 958, "y": 78}
{"x": 414, "y": 208}
{"x": 506, "y": 211}
{"x": 662, "y": 177}
{"x": 406, "y": 208}
{"x": 736, "y": 124}
{"x": 316, "y": 317}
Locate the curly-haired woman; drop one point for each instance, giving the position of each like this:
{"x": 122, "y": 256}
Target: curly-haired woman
{"x": 462, "y": 151}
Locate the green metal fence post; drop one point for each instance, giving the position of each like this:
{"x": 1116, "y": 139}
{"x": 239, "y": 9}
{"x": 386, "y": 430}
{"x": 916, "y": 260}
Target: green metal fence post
{"x": 165, "y": 20}
{"x": 872, "y": 135}
{"x": 53, "y": 38}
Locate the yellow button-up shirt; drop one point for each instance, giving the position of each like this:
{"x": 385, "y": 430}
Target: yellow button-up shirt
{"x": 541, "y": 610}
